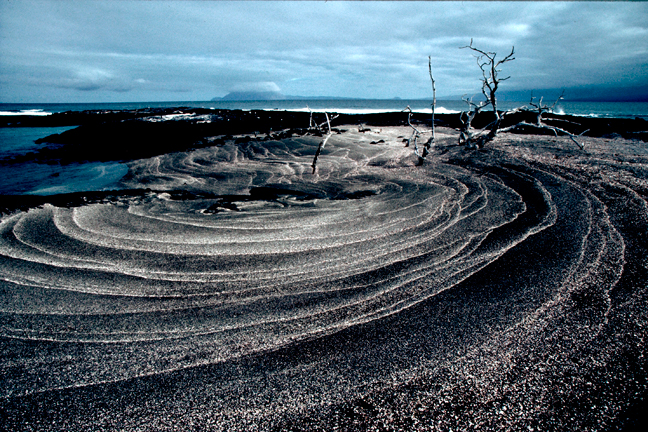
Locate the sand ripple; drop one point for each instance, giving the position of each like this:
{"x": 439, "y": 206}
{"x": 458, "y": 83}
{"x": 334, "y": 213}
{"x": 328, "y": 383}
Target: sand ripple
{"x": 462, "y": 258}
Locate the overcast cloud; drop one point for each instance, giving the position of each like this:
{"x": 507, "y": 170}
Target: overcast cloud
{"x": 59, "y": 51}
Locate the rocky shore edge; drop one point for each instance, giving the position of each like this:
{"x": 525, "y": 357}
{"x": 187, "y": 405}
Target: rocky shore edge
{"x": 135, "y": 134}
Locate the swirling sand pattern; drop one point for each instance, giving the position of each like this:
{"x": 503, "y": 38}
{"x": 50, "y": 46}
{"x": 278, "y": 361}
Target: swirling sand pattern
{"x": 375, "y": 291}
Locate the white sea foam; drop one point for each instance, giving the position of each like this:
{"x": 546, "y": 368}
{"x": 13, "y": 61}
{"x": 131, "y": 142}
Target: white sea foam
{"x": 201, "y": 118}
{"x": 438, "y": 110}
{"x": 32, "y": 112}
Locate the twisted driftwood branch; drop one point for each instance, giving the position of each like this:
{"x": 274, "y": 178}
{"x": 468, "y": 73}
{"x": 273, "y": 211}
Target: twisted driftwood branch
{"x": 539, "y": 124}
{"x": 554, "y": 129}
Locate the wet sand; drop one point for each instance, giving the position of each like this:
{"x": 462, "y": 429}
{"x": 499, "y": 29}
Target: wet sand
{"x": 497, "y": 289}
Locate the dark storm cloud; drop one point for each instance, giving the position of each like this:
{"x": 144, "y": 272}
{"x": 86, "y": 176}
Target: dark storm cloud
{"x": 67, "y": 51}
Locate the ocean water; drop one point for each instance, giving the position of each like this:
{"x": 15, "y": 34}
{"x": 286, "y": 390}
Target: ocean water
{"x": 43, "y": 179}
{"x": 48, "y": 179}
{"x": 590, "y": 109}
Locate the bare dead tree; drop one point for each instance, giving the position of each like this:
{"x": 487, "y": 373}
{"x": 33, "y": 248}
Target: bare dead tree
{"x": 540, "y": 109}
{"x": 318, "y": 127}
{"x": 323, "y": 143}
{"x": 311, "y": 122}
{"x": 489, "y": 66}
{"x": 467, "y": 133}
{"x": 433, "y": 95}
{"x": 428, "y": 145}
{"x": 415, "y": 132}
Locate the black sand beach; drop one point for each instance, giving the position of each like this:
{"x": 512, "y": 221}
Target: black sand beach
{"x": 226, "y": 287}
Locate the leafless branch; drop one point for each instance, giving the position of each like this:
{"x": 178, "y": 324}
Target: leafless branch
{"x": 554, "y": 129}
{"x": 428, "y": 145}
{"x": 489, "y": 66}
{"x": 433, "y": 95}
{"x": 573, "y": 138}
{"x": 327, "y": 122}
{"x": 467, "y": 132}
{"x": 323, "y": 143}
{"x": 311, "y": 123}
{"x": 561, "y": 97}
{"x": 415, "y": 132}
{"x": 561, "y": 120}
{"x": 541, "y": 108}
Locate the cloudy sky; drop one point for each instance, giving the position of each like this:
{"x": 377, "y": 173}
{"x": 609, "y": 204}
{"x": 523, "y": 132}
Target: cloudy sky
{"x": 104, "y": 51}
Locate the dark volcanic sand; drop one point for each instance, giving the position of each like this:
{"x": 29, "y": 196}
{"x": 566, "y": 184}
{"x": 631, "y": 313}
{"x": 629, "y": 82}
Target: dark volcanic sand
{"x": 503, "y": 289}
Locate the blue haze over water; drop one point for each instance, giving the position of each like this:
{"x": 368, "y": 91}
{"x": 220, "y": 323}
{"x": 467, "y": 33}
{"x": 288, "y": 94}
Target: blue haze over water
{"x": 593, "y": 109}
{"x": 44, "y": 179}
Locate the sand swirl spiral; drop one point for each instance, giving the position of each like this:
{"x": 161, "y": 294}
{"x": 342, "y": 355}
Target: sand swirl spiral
{"x": 109, "y": 292}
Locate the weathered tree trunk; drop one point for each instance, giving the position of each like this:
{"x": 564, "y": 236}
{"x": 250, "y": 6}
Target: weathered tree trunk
{"x": 323, "y": 143}
{"x": 490, "y": 84}
{"x": 428, "y": 145}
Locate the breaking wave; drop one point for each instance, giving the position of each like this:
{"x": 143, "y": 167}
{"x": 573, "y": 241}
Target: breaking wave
{"x": 437, "y": 110}
{"x": 26, "y": 112}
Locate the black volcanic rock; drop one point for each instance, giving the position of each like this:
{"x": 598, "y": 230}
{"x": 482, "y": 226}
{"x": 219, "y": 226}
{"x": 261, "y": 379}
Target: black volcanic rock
{"x": 140, "y": 137}
{"x": 135, "y": 134}
{"x": 77, "y": 118}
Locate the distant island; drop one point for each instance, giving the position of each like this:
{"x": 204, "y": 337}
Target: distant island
{"x": 574, "y": 94}
{"x": 251, "y": 95}
{"x": 269, "y": 95}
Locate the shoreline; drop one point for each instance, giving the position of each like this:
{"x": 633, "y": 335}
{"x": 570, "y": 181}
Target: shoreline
{"x": 136, "y": 134}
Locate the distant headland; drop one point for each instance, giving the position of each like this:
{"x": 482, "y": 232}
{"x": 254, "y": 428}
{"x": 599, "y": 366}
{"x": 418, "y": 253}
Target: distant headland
{"x": 269, "y": 95}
